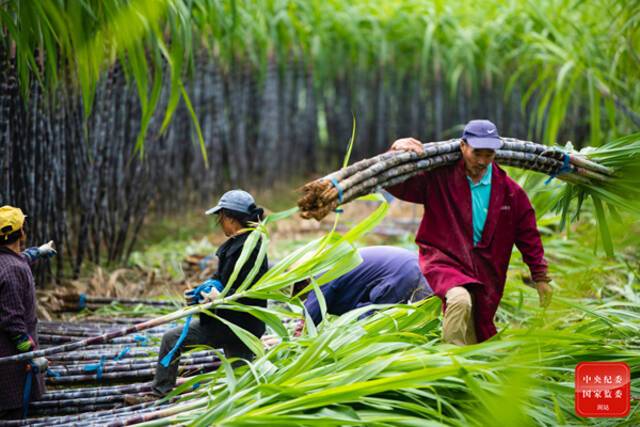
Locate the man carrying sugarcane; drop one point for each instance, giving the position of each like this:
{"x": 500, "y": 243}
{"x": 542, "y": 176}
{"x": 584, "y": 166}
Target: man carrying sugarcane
{"x": 386, "y": 275}
{"x": 473, "y": 215}
{"x": 21, "y": 382}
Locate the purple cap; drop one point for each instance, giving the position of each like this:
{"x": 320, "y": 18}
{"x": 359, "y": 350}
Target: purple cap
{"x": 482, "y": 134}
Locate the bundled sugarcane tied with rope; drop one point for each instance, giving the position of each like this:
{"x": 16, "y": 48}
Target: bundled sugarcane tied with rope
{"x": 324, "y": 195}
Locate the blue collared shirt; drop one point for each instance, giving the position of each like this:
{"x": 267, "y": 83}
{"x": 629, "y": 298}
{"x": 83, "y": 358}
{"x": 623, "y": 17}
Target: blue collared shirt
{"x": 480, "y": 196}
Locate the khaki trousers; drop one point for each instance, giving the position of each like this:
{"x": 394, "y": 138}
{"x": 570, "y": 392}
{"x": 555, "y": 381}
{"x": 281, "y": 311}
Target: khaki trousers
{"x": 458, "y": 326}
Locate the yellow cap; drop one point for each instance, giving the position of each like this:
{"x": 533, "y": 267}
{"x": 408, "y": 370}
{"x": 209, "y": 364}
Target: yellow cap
{"x": 11, "y": 220}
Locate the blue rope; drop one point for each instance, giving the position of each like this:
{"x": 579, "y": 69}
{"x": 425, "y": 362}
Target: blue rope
{"x": 82, "y": 301}
{"x": 206, "y": 286}
{"x": 196, "y": 297}
{"x": 167, "y": 358}
{"x": 122, "y": 353}
{"x": 52, "y": 373}
{"x": 98, "y": 367}
{"x": 336, "y": 184}
{"x": 565, "y": 168}
{"x": 26, "y": 394}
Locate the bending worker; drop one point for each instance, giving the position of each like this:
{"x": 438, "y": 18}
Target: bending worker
{"x": 18, "y": 315}
{"x": 473, "y": 215}
{"x": 386, "y": 275}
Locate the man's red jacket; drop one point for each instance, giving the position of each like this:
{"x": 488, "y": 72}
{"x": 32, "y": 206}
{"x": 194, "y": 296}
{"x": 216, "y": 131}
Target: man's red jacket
{"x": 447, "y": 255}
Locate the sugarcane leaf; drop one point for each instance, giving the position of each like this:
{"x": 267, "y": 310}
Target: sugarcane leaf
{"x": 341, "y": 266}
{"x": 603, "y": 227}
{"x": 614, "y": 213}
{"x": 175, "y": 60}
{"x": 269, "y": 317}
{"x": 309, "y": 324}
{"x": 371, "y": 221}
{"x": 196, "y": 123}
{"x": 247, "y": 250}
{"x": 257, "y": 265}
{"x": 319, "y": 297}
{"x": 352, "y": 140}
{"x": 278, "y": 216}
{"x": 250, "y": 340}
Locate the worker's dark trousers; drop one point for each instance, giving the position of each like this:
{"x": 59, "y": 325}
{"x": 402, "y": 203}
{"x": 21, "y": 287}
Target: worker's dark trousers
{"x": 165, "y": 378}
{"x": 11, "y": 414}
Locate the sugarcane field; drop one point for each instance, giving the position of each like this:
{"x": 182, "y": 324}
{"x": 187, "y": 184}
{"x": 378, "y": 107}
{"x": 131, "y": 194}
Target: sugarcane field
{"x": 320, "y": 213}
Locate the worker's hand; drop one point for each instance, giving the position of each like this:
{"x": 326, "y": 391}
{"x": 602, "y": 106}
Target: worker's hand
{"x": 209, "y": 296}
{"x": 38, "y": 365}
{"x": 545, "y": 292}
{"x": 299, "y": 328}
{"x": 207, "y": 291}
{"x": 24, "y": 343}
{"x": 408, "y": 144}
{"x": 47, "y": 250}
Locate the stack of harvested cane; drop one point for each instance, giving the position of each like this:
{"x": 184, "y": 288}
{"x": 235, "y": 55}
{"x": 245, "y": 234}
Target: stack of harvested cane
{"x": 324, "y": 195}
{"x": 77, "y": 302}
{"x": 95, "y": 362}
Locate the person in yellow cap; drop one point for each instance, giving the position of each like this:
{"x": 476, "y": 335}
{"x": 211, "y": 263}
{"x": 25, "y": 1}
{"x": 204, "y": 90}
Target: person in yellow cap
{"x": 18, "y": 315}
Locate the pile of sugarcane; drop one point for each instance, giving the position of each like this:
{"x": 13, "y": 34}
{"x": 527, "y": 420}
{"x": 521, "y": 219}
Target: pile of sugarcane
{"x": 120, "y": 366}
{"x": 77, "y": 302}
{"x": 96, "y": 362}
{"x": 324, "y": 195}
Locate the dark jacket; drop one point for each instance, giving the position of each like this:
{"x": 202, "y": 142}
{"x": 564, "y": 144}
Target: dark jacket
{"x": 448, "y": 257}
{"x": 386, "y": 275}
{"x": 17, "y": 316}
{"x": 228, "y": 255}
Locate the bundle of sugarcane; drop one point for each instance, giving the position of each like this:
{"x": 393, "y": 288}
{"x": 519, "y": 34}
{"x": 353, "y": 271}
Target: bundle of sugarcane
{"x": 95, "y": 392}
{"x": 78, "y": 400}
{"x": 111, "y": 335}
{"x": 103, "y": 417}
{"x": 142, "y": 341}
{"x": 139, "y": 353}
{"x": 115, "y": 417}
{"x": 88, "y": 329}
{"x": 117, "y": 320}
{"x": 325, "y": 194}
{"x": 72, "y": 369}
{"x": 81, "y": 376}
{"x": 47, "y": 339}
{"x": 77, "y": 302}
